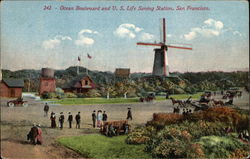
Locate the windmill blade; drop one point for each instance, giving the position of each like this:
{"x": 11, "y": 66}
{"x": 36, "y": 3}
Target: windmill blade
{"x": 163, "y": 30}
{"x": 179, "y": 47}
{"x": 149, "y": 44}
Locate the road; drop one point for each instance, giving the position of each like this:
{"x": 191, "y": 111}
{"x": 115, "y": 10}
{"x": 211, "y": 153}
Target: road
{"x": 16, "y": 123}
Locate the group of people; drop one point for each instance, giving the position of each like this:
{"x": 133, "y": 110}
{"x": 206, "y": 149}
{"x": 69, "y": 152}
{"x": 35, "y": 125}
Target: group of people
{"x": 62, "y": 118}
{"x": 111, "y": 130}
{"x": 184, "y": 111}
{"x": 99, "y": 118}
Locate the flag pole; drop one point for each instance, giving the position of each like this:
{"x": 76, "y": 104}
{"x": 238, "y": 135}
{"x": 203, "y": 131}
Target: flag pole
{"x": 78, "y": 66}
{"x": 88, "y": 66}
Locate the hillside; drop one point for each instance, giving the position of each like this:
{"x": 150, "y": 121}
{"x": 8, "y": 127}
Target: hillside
{"x": 189, "y": 82}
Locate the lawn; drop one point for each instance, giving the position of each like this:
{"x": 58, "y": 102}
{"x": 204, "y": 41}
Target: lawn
{"x": 99, "y": 146}
{"x": 84, "y": 101}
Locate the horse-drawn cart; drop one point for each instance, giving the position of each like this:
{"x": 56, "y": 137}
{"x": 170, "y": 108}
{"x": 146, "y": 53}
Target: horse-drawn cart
{"x": 17, "y": 102}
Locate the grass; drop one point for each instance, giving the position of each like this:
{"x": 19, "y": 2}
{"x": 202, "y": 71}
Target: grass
{"x": 99, "y": 146}
{"x": 85, "y": 101}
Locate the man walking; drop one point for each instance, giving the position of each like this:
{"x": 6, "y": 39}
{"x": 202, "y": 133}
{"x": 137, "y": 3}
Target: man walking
{"x": 78, "y": 119}
{"x": 61, "y": 120}
{"x": 46, "y": 109}
{"x": 104, "y": 116}
{"x": 70, "y": 119}
{"x": 129, "y": 114}
{"x": 94, "y": 118}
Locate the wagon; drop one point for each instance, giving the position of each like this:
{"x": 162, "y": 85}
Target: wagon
{"x": 17, "y": 102}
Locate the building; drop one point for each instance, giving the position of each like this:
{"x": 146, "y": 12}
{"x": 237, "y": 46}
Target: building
{"x": 11, "y": 88}
{"x": 47, "y": 81}
{"x": 81, "y": 84}
{"x": 122, "y": 72}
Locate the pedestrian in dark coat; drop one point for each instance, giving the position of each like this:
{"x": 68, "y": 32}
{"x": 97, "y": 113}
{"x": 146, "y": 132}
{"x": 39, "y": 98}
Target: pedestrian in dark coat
{"x": 129, "y": 114}
{"x": 94, "y": 118}
{"x": 61, "y": 120}
{"x": 70, "y": 119}
{"x": 104, "y": 116}
{"x": 53, "y": 120}
{"x": 78, "y": 120}
{"x": 46, "y": 109}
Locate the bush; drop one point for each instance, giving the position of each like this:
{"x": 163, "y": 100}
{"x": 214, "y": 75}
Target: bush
{"x": 140, "y": 135}
{"x": 177, "y": 140}
{"x": 219, "y": 147}
{"x": 228, "y": 116}
{"x": 174, "y": 143}
{"x": 49, "y": 95}
{"x": 92, "y": 93}
{"x": 70, "y": 95}
{"x": 161, "y": 119}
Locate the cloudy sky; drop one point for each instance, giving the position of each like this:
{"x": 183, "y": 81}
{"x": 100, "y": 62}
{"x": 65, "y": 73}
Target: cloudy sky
{"x": 32, "y": 38}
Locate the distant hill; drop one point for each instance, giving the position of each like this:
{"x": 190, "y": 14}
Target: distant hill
{"x": 185, "y": 81}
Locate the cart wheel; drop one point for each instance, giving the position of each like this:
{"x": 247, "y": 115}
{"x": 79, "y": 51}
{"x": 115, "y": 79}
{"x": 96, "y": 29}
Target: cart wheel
{"x": 11, "y": 104}
{"x": 25, "y": 104}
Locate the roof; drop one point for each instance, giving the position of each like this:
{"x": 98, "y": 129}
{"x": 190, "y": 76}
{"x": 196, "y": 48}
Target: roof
{"x": 14, "y": 82}
{"x": 78, "y": 78}
{"x": 122, "y": 72}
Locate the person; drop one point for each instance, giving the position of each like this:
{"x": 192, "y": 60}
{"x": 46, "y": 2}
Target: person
{"x": 78, "y": 119}
{"x": 99, "y": 119}
{"x": 111, "y": 131}
{"x": 46, "y": 109}
{"x": 183, "y": 112}
{"x": 104, "y": 116}
{"x": 129, "y": 114}
{"x": 61, "y": 120}
{"x": 70, "y": 119}
{"x": 94, "y": 118}
{"x": 39, "y": 135}
{"x": 125, "y": 128}
{"x": 178, "y": 110}
{"x": 53, "y": 120}
{"x": 167, "y": 95}
{"x": 32, "y": 135}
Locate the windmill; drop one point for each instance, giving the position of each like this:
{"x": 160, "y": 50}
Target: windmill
{"x": 160, "y": 60}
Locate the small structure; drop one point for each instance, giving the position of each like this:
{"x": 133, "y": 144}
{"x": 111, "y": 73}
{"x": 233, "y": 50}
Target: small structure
{"x": 11, "y": 88}
{"x": 47, "y": 81}
{"x": 81, "y": 84}
{"x": 122, "y": 72}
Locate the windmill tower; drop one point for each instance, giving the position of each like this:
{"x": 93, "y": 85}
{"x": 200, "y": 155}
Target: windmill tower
{"x": 161, "y": 67}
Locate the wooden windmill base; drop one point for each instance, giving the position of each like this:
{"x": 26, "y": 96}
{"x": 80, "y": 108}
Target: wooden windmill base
{"x": 158, "y": 68}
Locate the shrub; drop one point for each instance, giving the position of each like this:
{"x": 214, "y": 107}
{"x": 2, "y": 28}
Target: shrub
{"x": 162, "y": 119}
{"x": 226, "y": 115}
{"x": 140, "y": 135}
{"x": 49, "y": 95}
{"x": 70, "y": 95}
{"x": 219, "y": 147}
{"x": 240, "y": 153}
{"x": 174, "y": 143}
{"x": 92, "y": 93}
{"x": 176, "y": 140}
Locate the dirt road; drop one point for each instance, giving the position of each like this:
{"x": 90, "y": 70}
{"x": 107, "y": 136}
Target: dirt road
{"x": 16, "y": 123}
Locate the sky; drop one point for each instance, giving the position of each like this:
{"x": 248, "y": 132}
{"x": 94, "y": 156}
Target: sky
{"x": 37, "y": 34}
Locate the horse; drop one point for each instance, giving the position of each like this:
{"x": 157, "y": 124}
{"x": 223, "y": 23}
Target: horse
{"x": 179, "y": 102}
